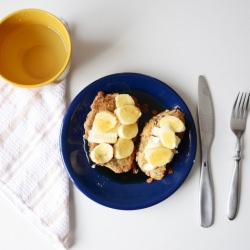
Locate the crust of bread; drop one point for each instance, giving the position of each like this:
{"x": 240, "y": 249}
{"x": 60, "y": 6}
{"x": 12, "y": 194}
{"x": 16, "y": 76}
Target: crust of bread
{"x": 102, "y": 102}
{"x": 159, "y": 172}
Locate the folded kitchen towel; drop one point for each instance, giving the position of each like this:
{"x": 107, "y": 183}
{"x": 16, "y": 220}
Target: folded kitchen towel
{"x": 32, "y": 174}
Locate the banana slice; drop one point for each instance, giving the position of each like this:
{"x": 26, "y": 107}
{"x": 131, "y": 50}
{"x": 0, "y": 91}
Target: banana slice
{"x": 123, "y": 148}
{"x": 97, "y": 136}
{"x": 128, "y": 114}
{"x": 123, "y": 99}
{"x": 153, "y": 142}
{"x": 158, "y": 156}
{"x": 174, "y": 122}
{"x": 128, "y": 131}
{"x": 168, "y": 138}
{"x": 104, "y": 121}
{"x": 102, "y": 153}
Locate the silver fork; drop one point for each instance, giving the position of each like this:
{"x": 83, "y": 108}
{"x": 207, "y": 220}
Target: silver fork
{"x": 238, "y": 125}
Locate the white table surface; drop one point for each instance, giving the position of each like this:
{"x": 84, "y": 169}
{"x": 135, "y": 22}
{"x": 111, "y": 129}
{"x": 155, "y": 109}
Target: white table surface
{"x": 174, "y": 41}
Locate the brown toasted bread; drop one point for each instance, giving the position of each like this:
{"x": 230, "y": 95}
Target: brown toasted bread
{"x": 106, "y": 102}
{"x": 159, "y": 172}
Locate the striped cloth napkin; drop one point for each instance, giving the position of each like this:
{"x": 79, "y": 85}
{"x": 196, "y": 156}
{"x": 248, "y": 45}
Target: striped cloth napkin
{"x": 31, "y": 171}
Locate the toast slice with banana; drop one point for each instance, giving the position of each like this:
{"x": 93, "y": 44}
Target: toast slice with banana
{"x": 159, "y": 141}
{"x": 111, "y": 128}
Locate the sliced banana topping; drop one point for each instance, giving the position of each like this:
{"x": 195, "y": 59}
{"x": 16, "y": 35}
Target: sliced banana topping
{"x": 114, "y": 131}
{"x": 123, "y": 148}
{"x": 168, "y": 138}
{"x": 97, "y": 136}
{"x": 128, "y": 114}
{"x": 128, "y": 131}
{"x": 158, "y": 156}
{"x": 123, "y": 99}
{"x": 174, "y": 122}
{"x": 163, "y": 142}
{"x": 153, "y": 142}
{"x": 102, "y": 153}
{"x": 104, "y": 121}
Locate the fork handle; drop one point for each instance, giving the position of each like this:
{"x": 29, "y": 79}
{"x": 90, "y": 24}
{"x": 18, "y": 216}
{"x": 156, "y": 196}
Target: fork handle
{"x": 234, "y": 193}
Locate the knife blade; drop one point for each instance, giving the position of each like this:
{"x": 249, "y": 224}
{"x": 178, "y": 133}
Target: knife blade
{"x": 206, "y": 127}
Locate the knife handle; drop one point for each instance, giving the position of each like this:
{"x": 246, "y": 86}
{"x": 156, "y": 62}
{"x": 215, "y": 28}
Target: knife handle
{"x": 206, "y": 196}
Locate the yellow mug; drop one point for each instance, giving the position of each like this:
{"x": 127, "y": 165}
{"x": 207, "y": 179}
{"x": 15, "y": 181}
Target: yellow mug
{"x": 35, "y": 48}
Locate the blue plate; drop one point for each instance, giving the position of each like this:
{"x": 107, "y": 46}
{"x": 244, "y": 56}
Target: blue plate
{"x": 124, "y": 191}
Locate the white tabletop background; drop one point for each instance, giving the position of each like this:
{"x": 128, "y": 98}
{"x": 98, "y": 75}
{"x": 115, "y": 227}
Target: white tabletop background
{"x": 174, "y": 41}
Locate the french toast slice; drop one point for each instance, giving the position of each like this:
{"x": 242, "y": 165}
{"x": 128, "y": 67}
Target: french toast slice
{"x": 156, "y": 172}
{"x": 106, "y": 102}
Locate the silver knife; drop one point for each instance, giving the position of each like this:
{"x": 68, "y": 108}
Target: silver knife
{"x": 206, "y": 125}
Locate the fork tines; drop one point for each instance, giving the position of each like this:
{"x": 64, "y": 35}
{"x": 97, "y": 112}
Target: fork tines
{"x": 241, "y": 105}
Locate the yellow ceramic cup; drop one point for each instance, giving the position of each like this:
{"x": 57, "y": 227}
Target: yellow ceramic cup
{"x": 35, "y": 48}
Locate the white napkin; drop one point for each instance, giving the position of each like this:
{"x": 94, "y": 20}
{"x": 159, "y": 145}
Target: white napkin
{"x": 32, "y": 174}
